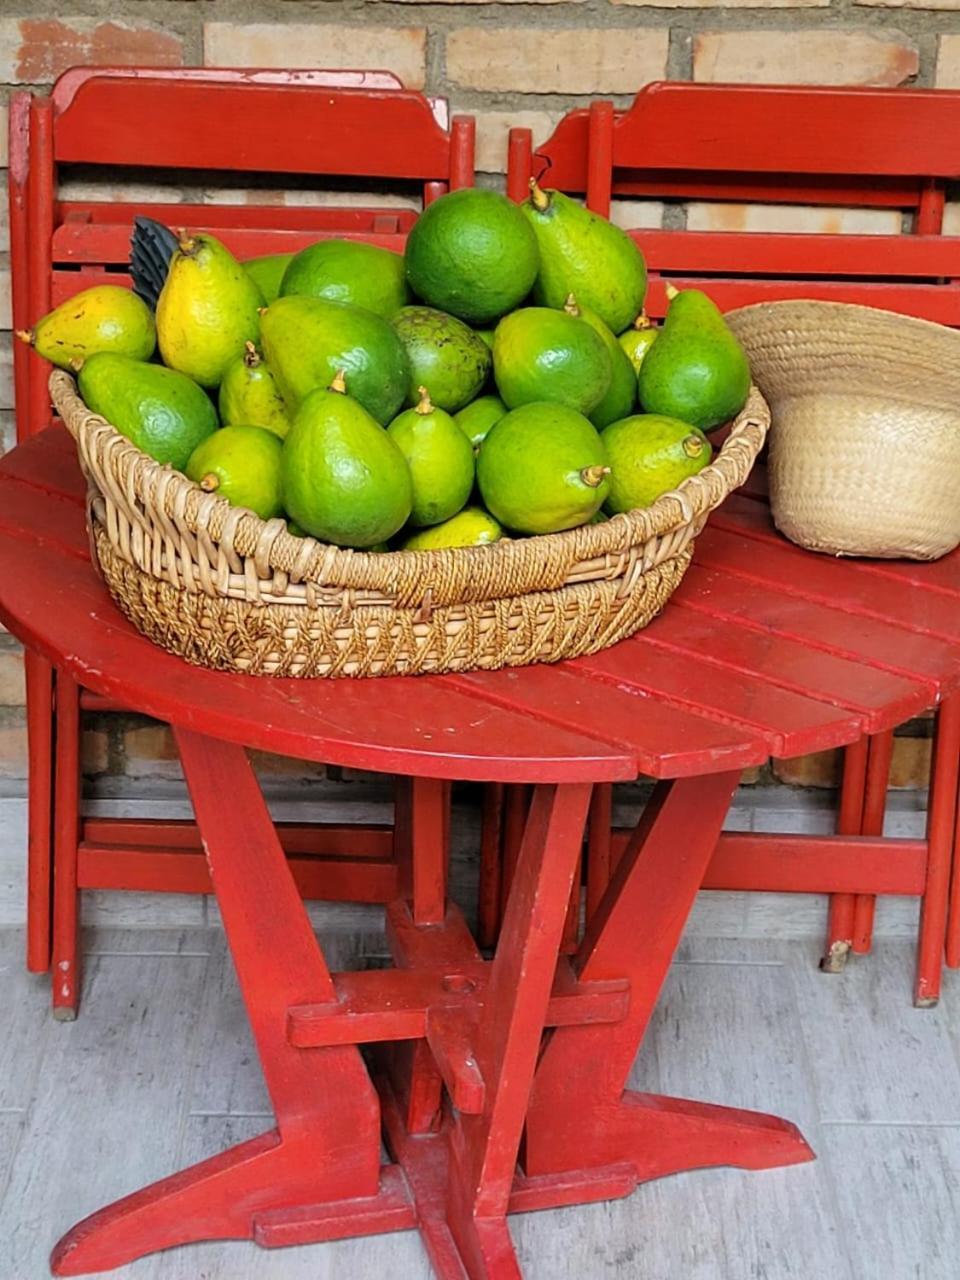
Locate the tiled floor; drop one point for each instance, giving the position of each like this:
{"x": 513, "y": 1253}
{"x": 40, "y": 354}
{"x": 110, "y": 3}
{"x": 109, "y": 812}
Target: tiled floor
{"x": 160, "y": 1071}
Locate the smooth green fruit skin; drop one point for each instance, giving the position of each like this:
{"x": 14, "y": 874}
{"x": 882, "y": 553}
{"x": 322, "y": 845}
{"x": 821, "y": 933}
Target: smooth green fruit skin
{"x": 251, "y": 395}
{"x": 647, "y": 459}
{"x": 159, "y": 410}
{"x": 486, "y": 335}
{"x": 207, "y": 310}
{"x": 440, "y": 459}
{"x": 696, "y": 370}
{"x": 472, "y": 527}
{"x": 444, "y": 355}
{"x": 342, "y": 478}
{"x": 621, "y": 396}
{"x": 473, "y": 254}
{"x": 584, "y": 254}
{"x": 104, "y": 318}
{"x": 476, "y": 418}
{"x": 308, "y": 340}
{"x": 266, "y": 272}
{"x": 529, "y": 469}
{"x": 540, "y": 354}
{"x": 636, "y": 343}
{"x": 246, "y": 461}
{"x": 349, "y": 271}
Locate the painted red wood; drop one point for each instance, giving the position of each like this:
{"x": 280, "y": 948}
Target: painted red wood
{"x": 941, "y": 834}
{"x": 783, "y": 863}
{"x": 874, "y": 812}
{"x": 580, "y": 1113}
{"x": 90, "y": 118}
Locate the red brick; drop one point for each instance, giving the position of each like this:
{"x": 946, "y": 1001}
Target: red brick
{"x": 320, "y": 44}
{"x": 36, "y": 50}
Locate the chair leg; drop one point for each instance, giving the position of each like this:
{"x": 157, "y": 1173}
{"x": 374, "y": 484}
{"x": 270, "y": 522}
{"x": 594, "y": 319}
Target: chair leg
{"x": 65, "y": 971}
{"x": 941, "y": 824}
{"x": 40, "y": 715}
{"x": 840, "y": 921}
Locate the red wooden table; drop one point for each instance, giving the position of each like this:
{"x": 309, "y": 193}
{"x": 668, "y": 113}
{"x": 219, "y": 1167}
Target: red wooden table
{"x": 499, "y": 1084}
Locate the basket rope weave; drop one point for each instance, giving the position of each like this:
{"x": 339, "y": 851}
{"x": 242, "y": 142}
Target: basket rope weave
{"x": 221, "y": 587}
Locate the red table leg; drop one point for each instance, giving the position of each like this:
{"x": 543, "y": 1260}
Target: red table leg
{"x": 65, "y": 962}
{"x": 326, "y": 1145}
{"x": 875, "y": 788}
{"x": 580, "y": 1116}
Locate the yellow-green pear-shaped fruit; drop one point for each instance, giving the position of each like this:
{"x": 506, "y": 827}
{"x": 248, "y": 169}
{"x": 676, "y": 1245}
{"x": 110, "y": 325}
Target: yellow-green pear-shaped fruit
{"x": 241, "y": 464}
{"x": 584, "y": 254}
{"x": 343, "y": 479}
{"x": 638, "y": 339}
{"x": 471, "y": 527}
{"x": 208, "y": 309}
{"x": 440, "y": 458}
{"x": 249, "y": 394}
{"x": 696, "y": 370}
{"x": 104, "y": 318}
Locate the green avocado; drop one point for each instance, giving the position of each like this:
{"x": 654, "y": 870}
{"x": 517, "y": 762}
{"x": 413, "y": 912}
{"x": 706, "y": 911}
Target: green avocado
{"x": 306, "y": 341}
{"x": 445, "y": 356}
{"x": 541, "y": 354}
{"x": 342, "y": 477}
{"x": 266, "y": 272}
{"x": 162, "y": 412}
{"x": 249, "y": 394}
{"x": 349, "y": 271}
{"x": 584, "y": 254}
{"x": 621, "y": 395}
{"x": 473, "y": 254}
{"x": 543, "y": 468}
{"x": 440, "y": 459}
{"x": 696, "y": 370}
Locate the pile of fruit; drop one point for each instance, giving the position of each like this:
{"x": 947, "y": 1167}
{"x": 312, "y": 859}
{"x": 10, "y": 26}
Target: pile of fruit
{"x": 473, "y": 388}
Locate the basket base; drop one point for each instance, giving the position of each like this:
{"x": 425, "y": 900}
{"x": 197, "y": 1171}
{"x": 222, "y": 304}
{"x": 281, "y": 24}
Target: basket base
{"x": 376, "y": 640}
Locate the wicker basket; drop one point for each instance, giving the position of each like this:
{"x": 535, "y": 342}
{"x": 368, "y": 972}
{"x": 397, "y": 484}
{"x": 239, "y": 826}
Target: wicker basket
{"x": 224, "y": 589}
{"x": 865, "y": 450}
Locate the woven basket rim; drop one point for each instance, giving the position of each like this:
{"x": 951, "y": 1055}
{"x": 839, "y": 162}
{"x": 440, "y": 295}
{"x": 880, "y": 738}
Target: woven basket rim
{"x": 505, "y": 563}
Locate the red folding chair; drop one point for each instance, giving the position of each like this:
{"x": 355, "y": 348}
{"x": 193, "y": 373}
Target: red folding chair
{"x": 868, "y": 148}
{"x": 350, "y": 125}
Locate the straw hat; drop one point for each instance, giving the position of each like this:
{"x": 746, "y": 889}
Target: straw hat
{"x": 865, "y": 443}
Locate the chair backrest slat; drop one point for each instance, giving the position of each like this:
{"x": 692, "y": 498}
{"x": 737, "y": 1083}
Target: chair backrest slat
{"x": 883, "y": 149}
{"x": 257, "y": 124}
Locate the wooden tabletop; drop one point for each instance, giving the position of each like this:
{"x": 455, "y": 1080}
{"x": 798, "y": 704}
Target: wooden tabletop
{"x": 763, "y": 650}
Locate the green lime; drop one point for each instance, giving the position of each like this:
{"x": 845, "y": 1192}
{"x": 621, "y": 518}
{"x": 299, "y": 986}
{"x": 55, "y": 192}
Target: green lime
{"x": 241, "y": 464}
{"x": 650, "y": 455}
{"x": 540, "y": 354}
{"x": 349, "y": 271}
{"x": 443, "y": 354}
{"x": 543, "y": 468}
{"x": 476, "y": 418}
{"x": 440, "y": 460}
{"x": 472, "y": 253}
{"x": 472, "y": 527}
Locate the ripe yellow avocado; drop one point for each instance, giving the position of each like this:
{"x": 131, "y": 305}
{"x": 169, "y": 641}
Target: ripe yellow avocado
{"x": 105, "y": 318}
{"x": 208, "y": 309}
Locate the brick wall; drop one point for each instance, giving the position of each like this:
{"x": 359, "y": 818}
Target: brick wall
{"x": 523, "y": 62}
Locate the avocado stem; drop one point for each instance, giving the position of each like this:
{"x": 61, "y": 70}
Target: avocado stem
{"x": 251, "y": 356}
{"x": 538, "y": 197}
{"x": 187, "y": 245}
{"x": 210, "y": 482}
{"x": 643, "y": 321}
{"x": 424, "y": 406}
{"x": 672, "y": 291}
{"x": 692, "y": 446}
{"x": 339, "y": 383}
{"x": 593, "y": 476}
{"x": 26, "y": 335}
{"x": 76, "y": 363}
{"x": 570, "y": 306}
